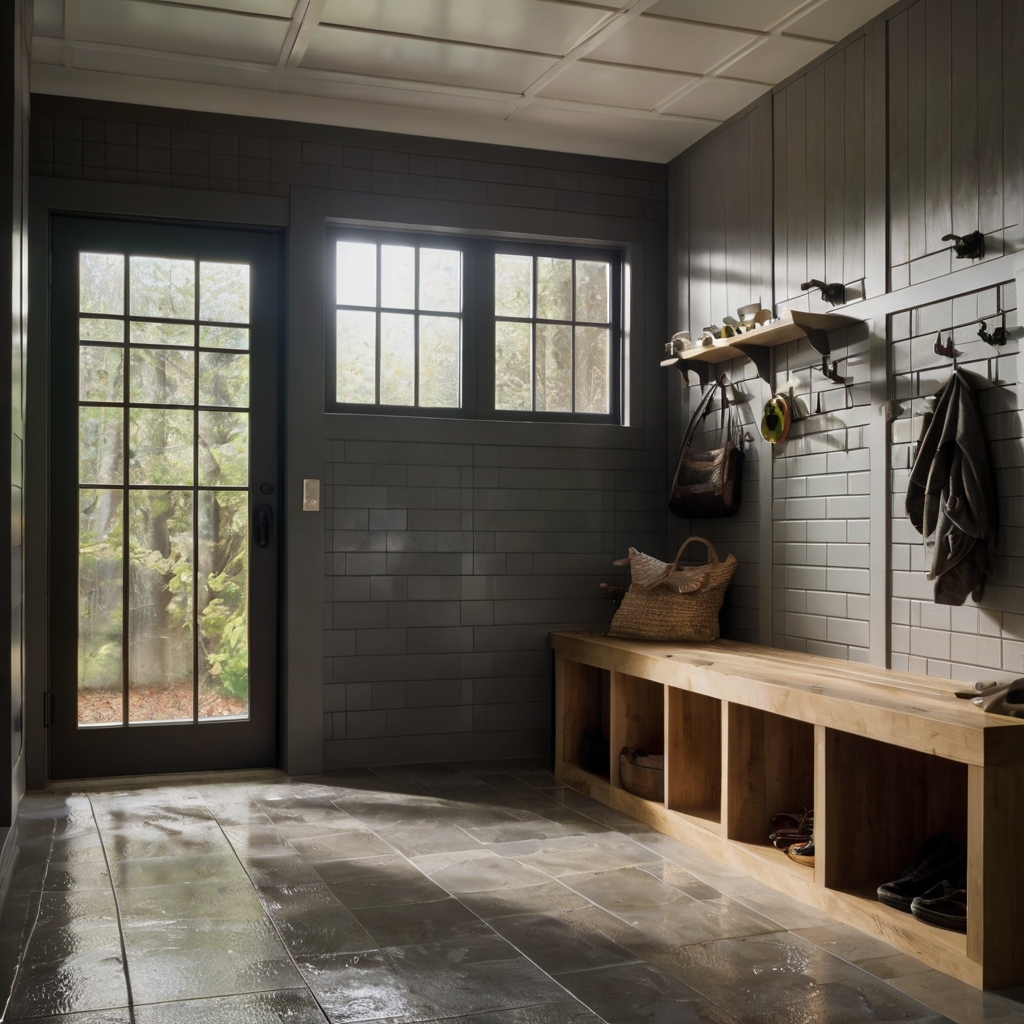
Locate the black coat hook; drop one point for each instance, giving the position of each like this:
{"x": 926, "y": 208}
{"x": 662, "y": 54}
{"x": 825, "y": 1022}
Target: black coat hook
{"x": 941, "y": 348}
{"x": 969, "y": 247}
{"x": 997, "y": 337}
{"x": 833, "y": 293}
{"x": 831, "y": 373}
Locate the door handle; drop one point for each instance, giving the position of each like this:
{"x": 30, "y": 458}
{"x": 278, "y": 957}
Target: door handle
{"x": 264, "y": 521}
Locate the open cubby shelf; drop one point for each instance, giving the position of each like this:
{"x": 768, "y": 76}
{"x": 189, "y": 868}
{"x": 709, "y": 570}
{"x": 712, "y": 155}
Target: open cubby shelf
{"x": 885, "y": 759}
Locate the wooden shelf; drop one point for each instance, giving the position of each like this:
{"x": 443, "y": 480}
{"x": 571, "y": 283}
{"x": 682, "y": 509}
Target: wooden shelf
{"x": 885, "y": 758}
{"x": 792, "y": 325}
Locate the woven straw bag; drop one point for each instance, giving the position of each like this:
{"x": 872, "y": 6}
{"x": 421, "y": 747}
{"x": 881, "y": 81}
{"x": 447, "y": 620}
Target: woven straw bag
{"x": 665, "y": 602}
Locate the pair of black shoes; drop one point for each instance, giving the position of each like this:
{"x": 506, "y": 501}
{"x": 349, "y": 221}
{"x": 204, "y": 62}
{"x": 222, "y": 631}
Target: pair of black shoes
{"x": 933, "y": 888}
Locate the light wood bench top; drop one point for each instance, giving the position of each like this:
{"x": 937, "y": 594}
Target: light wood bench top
{"x": 902, "y": 708}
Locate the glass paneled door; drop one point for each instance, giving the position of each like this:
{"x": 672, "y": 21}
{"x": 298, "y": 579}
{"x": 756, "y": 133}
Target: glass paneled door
{"x": 164, "y": 498}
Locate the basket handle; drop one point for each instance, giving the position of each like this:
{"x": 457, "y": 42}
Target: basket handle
{"x": 712, "y": 553}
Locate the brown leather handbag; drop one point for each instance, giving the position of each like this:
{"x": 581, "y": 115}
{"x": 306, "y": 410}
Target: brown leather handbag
{"x": 707, "y": 485}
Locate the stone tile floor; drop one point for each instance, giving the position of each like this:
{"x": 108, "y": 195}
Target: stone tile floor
{"x": 481, "y": 893}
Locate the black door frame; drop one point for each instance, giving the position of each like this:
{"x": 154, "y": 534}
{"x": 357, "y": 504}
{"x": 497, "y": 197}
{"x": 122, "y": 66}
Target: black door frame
{"x": 145, "y": 748}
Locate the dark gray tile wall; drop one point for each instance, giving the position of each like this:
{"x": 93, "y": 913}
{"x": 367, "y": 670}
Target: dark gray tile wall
{"x": 154, "y": 146}
{"x": 450, "y": 552}
{"x": 447, "y": 565}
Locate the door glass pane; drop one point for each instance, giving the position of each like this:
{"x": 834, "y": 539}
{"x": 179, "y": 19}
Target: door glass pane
{"x": 223, "y": 449}
{"x": 223, "y": 379}
{"x": 511, "y": 365}
{"x": 439, "y": 361}
{"x": 224, "y": 337}
{"x": 554, "y": 289}
{"x": 162, "y": 376}
{"x": 100, "y": 445}
{"x": 592, "y": 291}
{"x": 100, "y": 374}
{"x": 356, "y": 274}
{"x": 101, "y": 283}
{"x": 162, "y": 287}
{"x": 397, "y": 359}
{"x": 441, "y": 280}
{"x": 100, "y": 330}
{"x": 224, "y": 292}
{"x": 223, "y": 596}
{"x": 592, "y": 355}
{"x": 357, "y": 355}
{"x": 161, "y": 446}
{"x": 398, "y": 276}
{"x": 160, "y": 669}
{"x": 100, "y": 588}
{"x": 143, "y": 333}
{"x": 554, "y": 368}
{"x": 512, "y": 290}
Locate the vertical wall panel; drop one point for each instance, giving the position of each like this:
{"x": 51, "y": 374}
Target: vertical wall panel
{"x": 899, "y": 153}
{"x": 989, "y": 40}
{"x": 916, "y": 104}
{"x": 796, "y": 187}
{"x": 938, "y": 146}
{"x": 964, "y": 120}
{"x": 816, "y": 191}
{"x": 854, "y": 152}
{"x": 835, "y": 169}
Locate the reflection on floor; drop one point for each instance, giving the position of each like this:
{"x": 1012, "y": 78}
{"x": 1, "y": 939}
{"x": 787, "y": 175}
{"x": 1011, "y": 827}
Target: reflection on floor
{"x": 478, "y": 893}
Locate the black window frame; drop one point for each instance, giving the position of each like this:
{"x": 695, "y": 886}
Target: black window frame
{"x": 477, "y": 371}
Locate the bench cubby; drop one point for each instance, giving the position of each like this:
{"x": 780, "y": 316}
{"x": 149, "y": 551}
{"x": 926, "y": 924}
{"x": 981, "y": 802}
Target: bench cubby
{"x": 886, "y": 759}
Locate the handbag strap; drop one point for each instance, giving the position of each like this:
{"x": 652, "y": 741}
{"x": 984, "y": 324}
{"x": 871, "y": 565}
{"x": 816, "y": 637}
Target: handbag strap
{"x": 712, "y": 555}
{"x": 700, "y": 412}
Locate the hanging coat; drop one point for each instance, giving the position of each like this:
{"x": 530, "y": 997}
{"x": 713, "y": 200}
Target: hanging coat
{"x": 950, "y": 494}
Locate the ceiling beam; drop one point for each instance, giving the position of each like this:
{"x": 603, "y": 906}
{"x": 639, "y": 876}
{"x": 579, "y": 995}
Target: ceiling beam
{"x": 603, "y": 32}
{"x": 304, "y": 23}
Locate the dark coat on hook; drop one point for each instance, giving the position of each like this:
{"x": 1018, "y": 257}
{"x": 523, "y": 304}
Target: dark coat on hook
{"x": 950, "y": 494}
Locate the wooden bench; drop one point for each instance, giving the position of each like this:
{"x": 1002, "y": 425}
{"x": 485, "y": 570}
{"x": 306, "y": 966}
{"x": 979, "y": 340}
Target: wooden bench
{"x": 886, "y": 759}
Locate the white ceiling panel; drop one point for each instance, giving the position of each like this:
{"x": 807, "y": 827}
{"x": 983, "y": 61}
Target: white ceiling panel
{"x": 775, "y": 59}
{"x": 163, "y": 27}
{"x": 614, "y": 85}
{"x": 660, "y": 43}
{"x": 837, "y": 18}
{"x": 427, "y": 60}
{"x": 534, "y": 25}
{"x": 48, "y": 18}
{"x": 760, "y": 15}
{"x": 716, "y": 97}
{"x": 659, "y": 139}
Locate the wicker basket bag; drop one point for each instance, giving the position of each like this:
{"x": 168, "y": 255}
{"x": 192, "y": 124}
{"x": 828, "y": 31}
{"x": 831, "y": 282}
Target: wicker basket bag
{"x": 665, "y": 602}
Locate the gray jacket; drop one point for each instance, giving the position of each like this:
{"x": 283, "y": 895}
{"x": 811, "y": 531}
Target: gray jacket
{"x": 950, "y": 493}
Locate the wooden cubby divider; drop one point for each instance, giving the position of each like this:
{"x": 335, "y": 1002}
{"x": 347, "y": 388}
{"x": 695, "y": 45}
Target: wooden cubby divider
{"x": 886, "y": 759}
{"x": 693, "y": 754}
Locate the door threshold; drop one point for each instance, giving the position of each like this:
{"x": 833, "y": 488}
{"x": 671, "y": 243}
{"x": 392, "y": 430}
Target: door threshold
{"x": 170, "y": 778}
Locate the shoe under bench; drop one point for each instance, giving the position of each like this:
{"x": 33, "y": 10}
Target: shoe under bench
{"x": 885, "y": 758}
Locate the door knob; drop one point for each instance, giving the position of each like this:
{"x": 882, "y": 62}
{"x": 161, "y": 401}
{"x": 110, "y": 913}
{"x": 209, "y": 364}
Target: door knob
{"x": 264, "y": 521}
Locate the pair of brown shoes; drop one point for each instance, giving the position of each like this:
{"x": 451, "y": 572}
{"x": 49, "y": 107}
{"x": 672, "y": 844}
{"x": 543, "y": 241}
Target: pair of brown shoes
{"x": 794, "y": 833}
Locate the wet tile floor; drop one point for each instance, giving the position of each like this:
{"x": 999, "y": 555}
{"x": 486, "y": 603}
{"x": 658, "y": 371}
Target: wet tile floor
{"x": 481, "y": 893}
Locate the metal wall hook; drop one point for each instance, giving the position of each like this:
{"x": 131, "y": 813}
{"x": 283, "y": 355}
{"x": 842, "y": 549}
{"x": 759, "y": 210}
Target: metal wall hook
{"x": 968, "y": 247}
{"x": 945, "y": 348}
{"x": 997, "y": 337}
{"x": 831, "y": 373}
{"x": 833, "y": 293}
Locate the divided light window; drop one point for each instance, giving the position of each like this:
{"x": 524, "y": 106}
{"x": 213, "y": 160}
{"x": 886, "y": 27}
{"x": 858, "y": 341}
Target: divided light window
{"x": 472, "y": 327}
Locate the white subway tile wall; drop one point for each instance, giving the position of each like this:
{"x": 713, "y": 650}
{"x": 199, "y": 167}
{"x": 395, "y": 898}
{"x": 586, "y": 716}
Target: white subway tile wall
{"x": 447, "y": 565}
{"x": 820, "y": 504}
{"x": 974, "y": 641}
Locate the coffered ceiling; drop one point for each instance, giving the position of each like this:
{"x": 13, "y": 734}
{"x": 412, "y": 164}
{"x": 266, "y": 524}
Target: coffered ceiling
{"x": 629, "y": 78}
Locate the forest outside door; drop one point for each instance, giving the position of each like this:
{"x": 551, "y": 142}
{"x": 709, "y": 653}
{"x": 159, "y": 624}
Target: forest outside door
{"x": 164, "y": 482}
